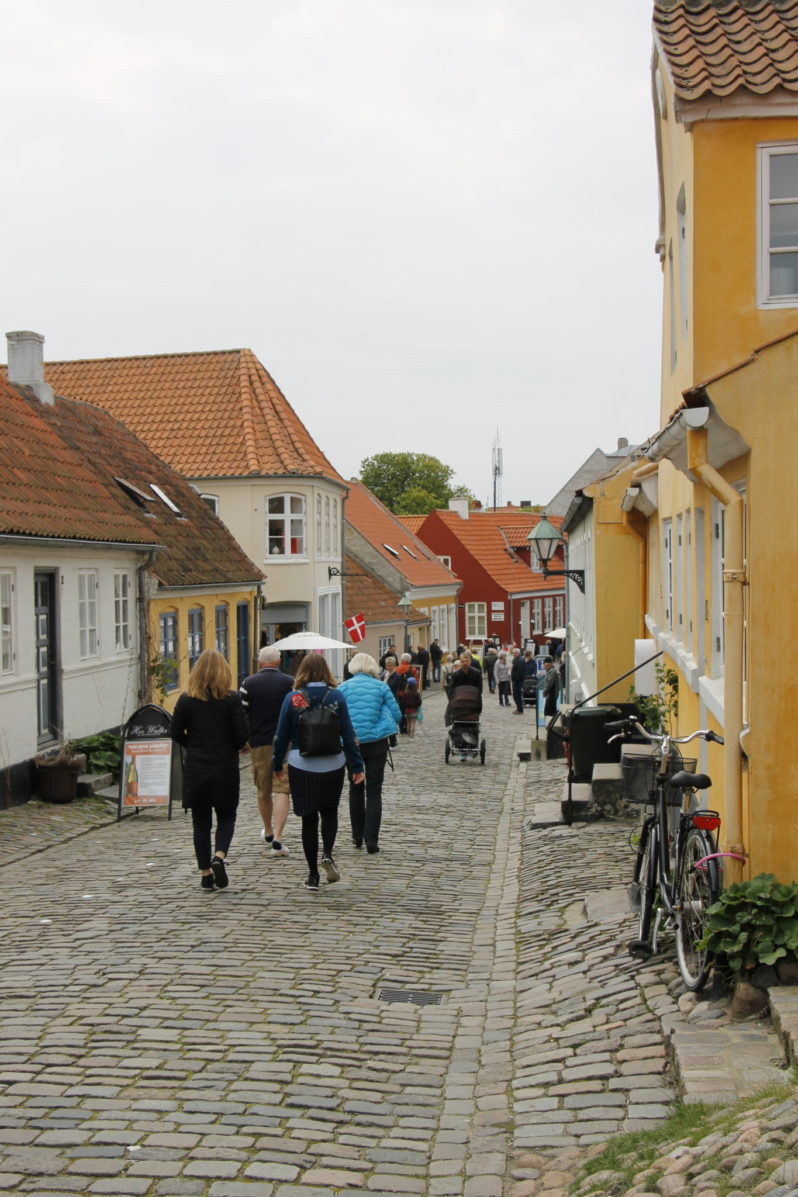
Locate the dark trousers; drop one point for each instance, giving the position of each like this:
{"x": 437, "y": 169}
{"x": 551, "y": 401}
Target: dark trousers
{"x": 310, "y": 835}
{"x": 504, "y": 694}
{"x": 365, "y": 800}
{"x": 518, "y": 695}
{"x": 202, "y": 819}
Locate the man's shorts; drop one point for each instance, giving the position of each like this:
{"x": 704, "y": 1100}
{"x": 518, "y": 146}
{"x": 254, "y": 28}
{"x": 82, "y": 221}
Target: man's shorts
{"x": 263, "y": 773}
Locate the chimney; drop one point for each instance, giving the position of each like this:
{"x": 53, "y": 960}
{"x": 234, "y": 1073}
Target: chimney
{"x": 26, "y": 363}
{"x": 460, "y": 506}
{"x": 623, "y": 443}
{"x": 526, "y": 502}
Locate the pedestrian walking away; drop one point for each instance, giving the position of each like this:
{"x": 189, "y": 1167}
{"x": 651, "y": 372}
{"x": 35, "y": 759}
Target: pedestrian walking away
{"x": 410, "y": 702}
{"x": 551, "y": 687}
{"x": 517, "y": 674}
{"x": 316, "y": 738}
{"x": 375, "y": 716}
{"x": 435, "y": 656}
{"x": 210, "y": 723}
{"x": 262, "y": 695}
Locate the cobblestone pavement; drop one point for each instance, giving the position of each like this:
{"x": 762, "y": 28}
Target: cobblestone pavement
{"x": 162, "y": 1041}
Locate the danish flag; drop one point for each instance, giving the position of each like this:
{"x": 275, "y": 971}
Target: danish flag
{"x": 356, "y": 627}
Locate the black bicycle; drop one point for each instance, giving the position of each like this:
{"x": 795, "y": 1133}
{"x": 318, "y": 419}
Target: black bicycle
{"x": 677, "y": 873}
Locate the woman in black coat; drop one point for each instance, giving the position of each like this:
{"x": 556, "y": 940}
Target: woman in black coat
{"x": 211, "y": 724}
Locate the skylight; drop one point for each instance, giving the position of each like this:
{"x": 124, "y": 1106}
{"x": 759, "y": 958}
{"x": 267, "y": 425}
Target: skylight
{"x": 410, "y": 551}
{"x": 165, "y": 499}
{"x": 134, "y": 492}
{"x": 390, "y": 550}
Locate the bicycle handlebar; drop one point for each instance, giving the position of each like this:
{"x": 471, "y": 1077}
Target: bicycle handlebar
{"x": 625, "y": 727}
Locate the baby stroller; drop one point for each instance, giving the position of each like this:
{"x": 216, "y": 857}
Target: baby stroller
{"x": 462, "y": 717}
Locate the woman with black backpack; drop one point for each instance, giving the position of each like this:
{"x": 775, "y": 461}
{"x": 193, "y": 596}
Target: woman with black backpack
{"x": 316, "y": 738}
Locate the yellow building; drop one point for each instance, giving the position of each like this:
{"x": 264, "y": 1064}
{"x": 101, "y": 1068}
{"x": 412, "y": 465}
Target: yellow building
{"x": 719, "y": 479}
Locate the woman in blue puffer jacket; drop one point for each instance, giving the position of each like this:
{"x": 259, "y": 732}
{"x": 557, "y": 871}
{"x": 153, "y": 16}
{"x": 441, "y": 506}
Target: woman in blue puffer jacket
{"x": 375, "y": 716}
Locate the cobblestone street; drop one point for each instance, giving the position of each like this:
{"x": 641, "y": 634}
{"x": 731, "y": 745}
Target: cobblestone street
{"x": 161, "y": 1040}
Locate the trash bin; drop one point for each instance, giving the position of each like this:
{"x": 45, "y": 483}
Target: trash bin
{"x": 588, "y": 737}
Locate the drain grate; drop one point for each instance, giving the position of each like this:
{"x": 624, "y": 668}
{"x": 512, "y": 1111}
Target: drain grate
{"x": 418, "y": 997}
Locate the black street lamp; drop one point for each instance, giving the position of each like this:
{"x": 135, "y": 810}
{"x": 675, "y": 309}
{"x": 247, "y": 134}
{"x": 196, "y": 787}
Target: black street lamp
{"x": 544, "y": 540}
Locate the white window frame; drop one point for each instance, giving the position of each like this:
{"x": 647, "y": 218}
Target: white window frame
{"x": 168, "y": 632}
{"x": 123, "y": 635}
{"x": 326, "y": 525}
{"x": 211, "y": 501}
{"x": 195, "y": 634}
{"x": 667, "y": 573}
{"x": 335, "y": 544}
{"x": 476, "y": 621}
{"x": 222, "y": 642}
{"x": 88, "y": 596}
{"x": 318, "y": 526}
{"x": 765, "y": 154}
{"x": 548, "y": 612}
{"x": 537, "y": 616}
{"x": 292, "y": 520}
{"x": 7, "y": 620}
{"x": 716, "y": 629}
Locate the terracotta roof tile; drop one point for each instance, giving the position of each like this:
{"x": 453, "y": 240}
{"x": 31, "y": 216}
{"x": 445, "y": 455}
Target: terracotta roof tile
{"x": 482, "y": 535}
{"x": 385, "y": 532}
{"x": 214, "y": 414}
{"x": 412, "y": 522}
{"x": 722, "y": 46}
{"x": 377, "y": 601}
{"x": 58, "y": 465}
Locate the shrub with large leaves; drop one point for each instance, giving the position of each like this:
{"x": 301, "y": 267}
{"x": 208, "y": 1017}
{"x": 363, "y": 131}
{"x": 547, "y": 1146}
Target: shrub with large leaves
{"x": 754, "y": 922}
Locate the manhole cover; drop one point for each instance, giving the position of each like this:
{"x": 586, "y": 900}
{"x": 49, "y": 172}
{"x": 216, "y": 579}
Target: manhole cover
{"x": 418, "y": 997}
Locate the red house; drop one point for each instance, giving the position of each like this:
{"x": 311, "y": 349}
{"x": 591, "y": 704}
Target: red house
{"x": 502, "y": 594}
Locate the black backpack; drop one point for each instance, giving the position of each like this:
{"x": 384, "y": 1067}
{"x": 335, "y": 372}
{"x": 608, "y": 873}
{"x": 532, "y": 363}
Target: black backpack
{"x": 319, "y": 730}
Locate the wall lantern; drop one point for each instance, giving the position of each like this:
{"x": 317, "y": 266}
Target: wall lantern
{"x": 544, "y": 540}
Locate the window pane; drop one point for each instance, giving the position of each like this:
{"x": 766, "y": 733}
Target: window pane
{"x": 297, "y": 505}
{"x": 783, "y": 176}
{"x": 277, "y": 503}
{"x": 783, "y": 225}
{"x": 784, "y": 274}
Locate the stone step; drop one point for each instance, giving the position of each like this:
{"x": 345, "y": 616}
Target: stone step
{"x": 93, "y": 783}
{"x": 607, "y": 781}
{"x": 784, "y": 1016}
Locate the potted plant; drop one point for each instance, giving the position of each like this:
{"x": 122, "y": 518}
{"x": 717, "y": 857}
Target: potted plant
{"x": 57, "y": 772}
{"x": 752, "y": 930}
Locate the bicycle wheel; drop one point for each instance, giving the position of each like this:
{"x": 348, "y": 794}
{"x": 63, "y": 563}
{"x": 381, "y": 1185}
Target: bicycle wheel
{"x": 646, "y": 885}
{"x": 696, "y": 890}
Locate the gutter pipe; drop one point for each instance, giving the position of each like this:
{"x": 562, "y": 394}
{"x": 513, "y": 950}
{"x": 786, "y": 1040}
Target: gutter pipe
{"x": 733, "y": 583}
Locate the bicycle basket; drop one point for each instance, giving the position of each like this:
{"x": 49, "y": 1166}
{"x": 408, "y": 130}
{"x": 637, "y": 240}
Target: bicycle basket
{"x": 639, "y": 777}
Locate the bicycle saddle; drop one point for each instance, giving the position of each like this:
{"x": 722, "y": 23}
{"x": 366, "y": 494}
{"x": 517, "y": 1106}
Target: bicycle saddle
{"x": 690, "y": 781}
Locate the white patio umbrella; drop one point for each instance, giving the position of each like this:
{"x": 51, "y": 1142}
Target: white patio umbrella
{"x": 556, "y": 633}
{"x": 307, "y": 641}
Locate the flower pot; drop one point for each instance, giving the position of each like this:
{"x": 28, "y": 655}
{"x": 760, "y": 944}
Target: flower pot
{"x": 58, "y": 782}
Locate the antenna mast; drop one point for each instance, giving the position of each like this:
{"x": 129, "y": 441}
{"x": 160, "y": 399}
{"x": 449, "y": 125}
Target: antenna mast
{"x": 498, "y": 470}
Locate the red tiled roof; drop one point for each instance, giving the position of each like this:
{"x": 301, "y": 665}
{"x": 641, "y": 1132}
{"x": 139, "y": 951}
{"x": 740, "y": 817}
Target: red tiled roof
{"x": 722, "y": 46}
{"x": 381, "y": 528}
{"x": 58, "y": 465}
{"x": 412, "y": 522}
{"x": 482, "y": 536}
{"x": 377, "y": 601}
{"x": 210, "y": 415}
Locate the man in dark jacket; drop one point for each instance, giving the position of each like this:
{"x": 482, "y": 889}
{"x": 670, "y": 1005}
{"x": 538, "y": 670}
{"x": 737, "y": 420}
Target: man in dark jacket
{"x": 435, "y": 657}
{"x": 517, "y": 674}
{"x": 262, "y": 695}
{"x": 423, "y": 666}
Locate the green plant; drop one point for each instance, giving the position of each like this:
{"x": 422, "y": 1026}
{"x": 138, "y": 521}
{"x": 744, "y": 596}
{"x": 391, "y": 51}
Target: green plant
{"x": 62, "y": 753}
{"x": 162, "y": 672}
{"x": 103, "y": 752}
{"x": 753, "y": 922}
{"x": 658, "y": 710}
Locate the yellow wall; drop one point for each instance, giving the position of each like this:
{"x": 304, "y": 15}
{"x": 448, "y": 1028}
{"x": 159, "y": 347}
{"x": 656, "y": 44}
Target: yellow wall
{"x": 182, "y": 604}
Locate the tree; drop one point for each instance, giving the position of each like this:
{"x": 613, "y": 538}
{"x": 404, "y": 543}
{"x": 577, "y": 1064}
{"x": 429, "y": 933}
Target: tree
{"x": 408, "y": 483}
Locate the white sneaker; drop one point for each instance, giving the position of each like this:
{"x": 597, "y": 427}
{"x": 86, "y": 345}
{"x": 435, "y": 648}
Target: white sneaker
{"x": 279, "y": 849}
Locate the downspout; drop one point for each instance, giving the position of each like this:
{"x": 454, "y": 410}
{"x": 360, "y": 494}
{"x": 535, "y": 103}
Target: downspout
{"x": 145, "y": 588}
{"x": 733, "y": 584}
{"x": 642, "y": 566}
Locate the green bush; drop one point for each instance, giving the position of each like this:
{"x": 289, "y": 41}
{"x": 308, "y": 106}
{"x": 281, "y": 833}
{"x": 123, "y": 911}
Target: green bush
{"x": 754, "y": 922}
{"x": 103, "y": 752}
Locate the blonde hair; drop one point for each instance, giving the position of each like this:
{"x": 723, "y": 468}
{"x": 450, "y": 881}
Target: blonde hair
{"x": 313, "y": 668}
{"x": 210, "y": 677}
{"x": 363, "y": 663}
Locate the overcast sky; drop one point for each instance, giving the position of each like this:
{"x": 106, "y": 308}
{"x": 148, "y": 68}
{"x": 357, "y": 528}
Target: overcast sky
{"x": 430, "y": 219}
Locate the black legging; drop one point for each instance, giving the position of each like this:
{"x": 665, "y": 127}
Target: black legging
{"x": 310, "y": 835}
{"x": 201, "y": 817}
